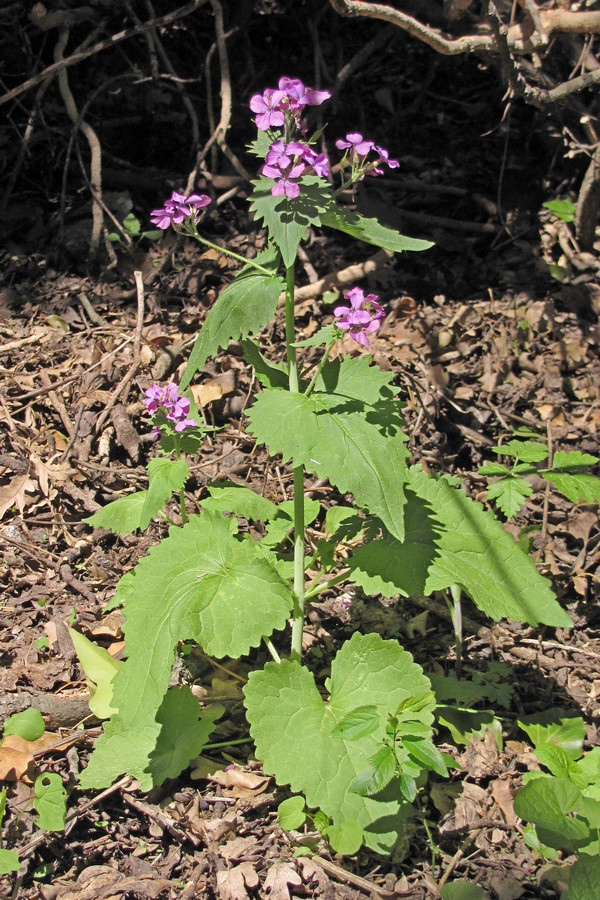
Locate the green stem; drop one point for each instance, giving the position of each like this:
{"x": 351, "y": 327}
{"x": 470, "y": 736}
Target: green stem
{"x": 247, "y": 262}
{"x": 320, "y": 366}
{"x": 456, "y": 614}
{"x": 298, "y": 613}
{"x": 271, "y": 649}
{"x": 313, "y": 591}
{"x": 184, "y": 516}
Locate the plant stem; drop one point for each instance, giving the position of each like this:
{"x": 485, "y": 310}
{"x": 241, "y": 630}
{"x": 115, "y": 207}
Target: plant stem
{"x": 247, "y": 262}
{"x": 456, "y": 614}
{"x": 298, "y": 614}
{"x": 184, "y": 516}
{"x": 313, "y": 380}
{"x": 271, "y": 649}
{"x": 313, "y": 591}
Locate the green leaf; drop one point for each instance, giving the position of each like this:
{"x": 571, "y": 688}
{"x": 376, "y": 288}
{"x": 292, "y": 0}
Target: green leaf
{"x": 9, "y": 862}
{"x": 527, "y": 451}
{"x": 127, "y": 514}
{"x": 269, "y": 373}
{"x": 296, "y": 738}
{"x": 560, "y": 763}
{"x": 347, "y": 430}
{"x": 283, "y": 521}
{"x": 291, "y": 813}
{"x": 100, "y": 667}
{"x": 125, "y": 587}
{"x": 185, "y": 729}
{"x": 320, "y": 338}
{"x": 370, "y": 230}
{"x": 243, "y": 307}
{"x": 546, "y": 801}
{"x": 461, "y": 890}
{"x": 585, "y": 877}
{"x": 493, "y": 468}
{"x": 464, "y": 724}
{"x": 555, "y": 726}
{"x": 564, "y": 209}
{"x": 122, "y": 516}
{"x": 28, "y": 724}
{"x": 427, "y": 755}
{"x": 572, "y": 459}
{"x": 578, "y": 488}
{"x": 50, "y": 801}
{"x": 358, "y": 723}
{"x": 201, "y": 583}
{"x": 345, "y": 838}
{"x": 132, "y": 224}
{"x": 288, "y": 219}
{"x": 509, "y": 494}
{"x": 239, "y": 499}
{"x": 380, "y": 771}
{"x": 452, "y": 539}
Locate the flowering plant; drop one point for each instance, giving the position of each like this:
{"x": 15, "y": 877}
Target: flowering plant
{"x": 359, "y": 755}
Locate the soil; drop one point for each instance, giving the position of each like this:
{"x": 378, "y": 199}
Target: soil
{"x": 494, "y": 329}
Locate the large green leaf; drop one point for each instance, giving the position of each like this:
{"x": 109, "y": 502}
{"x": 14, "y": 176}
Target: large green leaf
{"x": 585, "y": 878}
{"x": 348, "y": 430}
{"x": 370, "y": 230}
{"x": 451, "y": 539}
{"x": 243, "y": 307}
{"x": 546, "y": 801}
{"x": 100, "y": 668}
{"x": 298, "y": 739}
{"x": 203, "y": 584}
{"x": 127, "y": 514}
{"x": 287, "y": 219}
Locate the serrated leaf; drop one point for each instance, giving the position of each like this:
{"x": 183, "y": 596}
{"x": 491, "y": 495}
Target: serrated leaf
{"x": 288, "y": 219}
{"x": 427, "y": 755}
{"x": 580, "y": 488}
{"x": 185, "y": 729}
{"x": 584, "y": 878}
{"x": 100, "y": 667}
{"x": 527, "y": 451}
{"x": 122, "y": 516}
{"x": 560, "y": 763}
{"x": 572, "y": 459}
{"x": 50, "y": 801}
{"x": 358, "y": 723}
{"x": 370, "y": 230}
{"x": 510, "y": 494}
{"x": 493, "y": 468}
{"x": 347, "y": 430}
{"x": 28, "y": 724}
{"x": 381, "y": 769}
{"x": 243, "y": 307}
{"x": 9, "y": 862}
{"x": 269, "y": 373}
{"x": 320, "y": 338}
{"x": 125, "y": 588}
{"x": 310, "y": 756}
{"x": 452, "y": 539}
{"x": 201, "y": 583}
{"x": 225, "y": 496}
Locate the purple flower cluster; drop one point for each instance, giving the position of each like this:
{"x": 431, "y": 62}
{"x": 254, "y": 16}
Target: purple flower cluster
{"x": 291, "y": 96}
{"x": 177, "y": 209}
{"x": 362, "y": 317}
{"x": 287, "y": 162}
{"x": 176, "y": 407}
{"x": 358, "y": 149}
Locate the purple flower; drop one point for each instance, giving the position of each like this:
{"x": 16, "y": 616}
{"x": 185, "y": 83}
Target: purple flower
{"x": 174, "y": 405}
{"x": 269, "y": 108}
{"x": 178, "y": 208}
{"x": 297, "y": 95}
{"x": 357, "y": 144}
{"x": 317, "y": 161}
{"x": 362, "y": 317}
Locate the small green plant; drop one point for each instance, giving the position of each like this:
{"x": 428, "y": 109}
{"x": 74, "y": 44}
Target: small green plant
{"x": 359, "y": 745}
{"x": 131, "y": 234}
{"x": 567, "y": 472}
{"x": 49, "y": 792}
{"x": 564, "y": 209}
{"x": 563, "y": 803}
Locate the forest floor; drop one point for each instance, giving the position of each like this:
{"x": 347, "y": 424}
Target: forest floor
{"x": 482, "y": 341}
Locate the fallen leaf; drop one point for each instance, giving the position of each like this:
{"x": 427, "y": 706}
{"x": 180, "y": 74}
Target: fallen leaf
{"x": 13, "y": 493}
{"x": 214, "y": 388}
{"x": 241, "y": 784}
{"x": 279, "y": 876}
{"x": 232, "y": 883}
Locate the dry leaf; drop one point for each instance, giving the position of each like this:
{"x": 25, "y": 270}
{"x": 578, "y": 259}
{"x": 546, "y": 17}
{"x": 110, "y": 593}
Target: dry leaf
{"x": 232, "y": 883}
{"x": 234, "y": 850}
{"x": 241, "y": 784}
{"x": 13, "y": 493}
{"x": 278, "y": 878}
{"x": 214, "y": 388}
